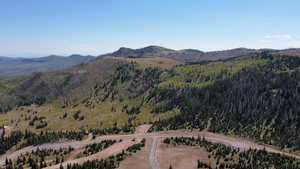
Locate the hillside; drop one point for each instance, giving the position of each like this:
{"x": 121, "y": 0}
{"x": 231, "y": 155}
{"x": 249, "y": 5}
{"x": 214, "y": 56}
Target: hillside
{"x": 187, "y": 55}
{"x": 61, "y": 86}
{"x": 57, "y": 97}
{"x": 254, "y": 97}
{"x": 25, "y": 66}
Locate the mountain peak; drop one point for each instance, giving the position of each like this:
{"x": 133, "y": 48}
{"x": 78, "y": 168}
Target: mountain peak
{"x": 191, "y": 51}
{"x": 149, "y": 51}
{"x": 156, "y": 47}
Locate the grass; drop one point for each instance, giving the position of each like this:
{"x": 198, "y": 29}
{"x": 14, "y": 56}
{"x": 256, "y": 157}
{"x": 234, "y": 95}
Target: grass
{"x": 200, "y": 75}
{"x": 56, "y": 78}
{"x": 101, "y": 116}
{"x": 105, "y": 114}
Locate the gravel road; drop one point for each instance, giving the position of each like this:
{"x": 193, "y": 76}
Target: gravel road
{"x": 153, "y": 157}
{"x": 156, "y": 137}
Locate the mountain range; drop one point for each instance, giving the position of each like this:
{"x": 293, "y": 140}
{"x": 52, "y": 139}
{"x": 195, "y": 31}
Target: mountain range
{"x": 246, "y": 93}
{"x": 193, "y": 55}
{"x": 24, "y": 66}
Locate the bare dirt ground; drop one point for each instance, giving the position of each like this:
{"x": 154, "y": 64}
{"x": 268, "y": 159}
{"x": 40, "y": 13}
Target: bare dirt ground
{"x": 241, "y": 143}
{"x": 153, "y": 156}
{"x": 7, "y": 130}
{"x": 112, "y": 150}
{"x": 181, "y": 157}
{"x": 142, "y": 129}
{"x": 139, "y": 160}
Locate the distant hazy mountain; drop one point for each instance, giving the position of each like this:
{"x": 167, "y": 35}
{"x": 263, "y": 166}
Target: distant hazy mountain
{"x": 21, "y": 66}
{"x": 192, "y": 55}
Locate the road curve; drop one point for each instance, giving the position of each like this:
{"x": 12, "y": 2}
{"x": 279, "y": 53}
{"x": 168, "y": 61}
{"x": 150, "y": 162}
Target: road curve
{"x": 156, "y": 137}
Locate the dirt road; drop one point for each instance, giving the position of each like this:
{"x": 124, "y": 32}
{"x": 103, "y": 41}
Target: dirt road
{"x": 112, "y": 150}
{"x": 156, "y": 137}
{"x": 153, "y": 155}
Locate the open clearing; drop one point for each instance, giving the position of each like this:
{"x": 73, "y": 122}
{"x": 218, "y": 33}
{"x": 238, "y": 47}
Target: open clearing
{"x": 154, "y": 153}
{"x": 181, "y": 157}
{"x": 112, "y": 150}
{"x": 139, "y": 160}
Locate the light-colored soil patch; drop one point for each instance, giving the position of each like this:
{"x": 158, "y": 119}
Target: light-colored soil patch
{"x": 142, "y": 129}
{"x": 181, "y": 157}
{"x": 8, "y": 130}
{"x": 139, "y": 160}
{"x": 112, "y": 150}
{"x": 241, "y": 143}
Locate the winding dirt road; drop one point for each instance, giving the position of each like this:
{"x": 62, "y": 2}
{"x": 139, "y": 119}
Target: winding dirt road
{"x": 156, "y": 137}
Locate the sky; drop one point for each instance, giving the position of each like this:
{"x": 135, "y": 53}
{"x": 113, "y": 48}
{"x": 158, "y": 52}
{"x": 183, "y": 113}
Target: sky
{"x": 33, "y": 28}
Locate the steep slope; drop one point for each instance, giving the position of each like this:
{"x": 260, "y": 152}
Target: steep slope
{"x": 100, "y": 94}
{"x": 260, "y": 102}
{"x": 64, "y": 86}
{"x": 252, "y": 96}
{"x": 25, "y": 66}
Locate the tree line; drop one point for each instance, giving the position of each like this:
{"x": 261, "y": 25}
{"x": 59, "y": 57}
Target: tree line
{"x": 261, "y": 102}
{"x": 224, "y": 157}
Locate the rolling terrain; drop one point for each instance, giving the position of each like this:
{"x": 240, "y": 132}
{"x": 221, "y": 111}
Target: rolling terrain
{"x": 248, "y": 94}
{"x": 24, "y": 66}
{"x": 157, "y": 144}
{"x": 194, "y": 55}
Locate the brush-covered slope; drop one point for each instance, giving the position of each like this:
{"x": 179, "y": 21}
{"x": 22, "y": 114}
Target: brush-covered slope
{"x": 64, "y": 86}
{"x": 254, "y": 96}
{"x": 260, "y": 101}
{"x": 83, "y": 96}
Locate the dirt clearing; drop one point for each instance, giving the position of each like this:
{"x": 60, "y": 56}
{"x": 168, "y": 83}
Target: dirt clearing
{"x": 142, "y": 129}
{"x": 112, "y": 150}
{"x": 139, "y": 160}
{"x": 181, "y": 157}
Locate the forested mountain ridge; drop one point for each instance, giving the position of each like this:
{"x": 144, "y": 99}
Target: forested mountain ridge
{"x": 193, "y": 55}
{"x": 25, "y": 66}
{"x": 255, "y": 96}
{"x": 61, "y": 86}
{"x": 260, "y": 102}
{"x": 185, "y": 55}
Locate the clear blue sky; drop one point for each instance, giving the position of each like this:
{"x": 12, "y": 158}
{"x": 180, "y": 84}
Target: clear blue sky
{"x": 42, "y": 27}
